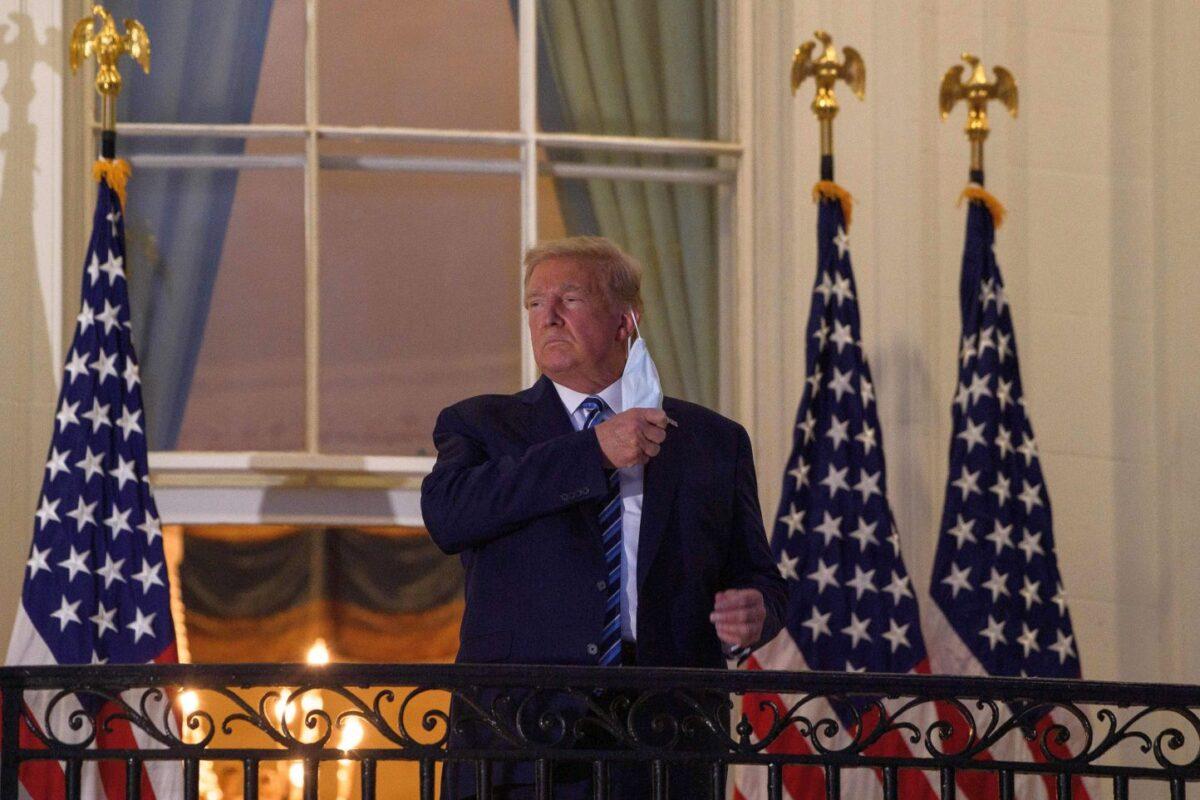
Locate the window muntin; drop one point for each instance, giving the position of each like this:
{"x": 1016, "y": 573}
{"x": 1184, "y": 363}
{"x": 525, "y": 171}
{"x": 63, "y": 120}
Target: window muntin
{"x": 476, "y": 150}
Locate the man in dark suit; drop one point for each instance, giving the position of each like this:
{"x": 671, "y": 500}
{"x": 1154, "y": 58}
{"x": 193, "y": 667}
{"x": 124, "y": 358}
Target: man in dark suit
{"x": 592, "y": 533}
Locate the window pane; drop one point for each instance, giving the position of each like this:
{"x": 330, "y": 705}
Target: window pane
{"x": 231, "y": 62}
{"x": 628, "y": 68}
{"x": 419, "y": 302}
{"x": 449, "y": 64}
{"x": 216, "y": 285}
{"x": 672, "y": 230}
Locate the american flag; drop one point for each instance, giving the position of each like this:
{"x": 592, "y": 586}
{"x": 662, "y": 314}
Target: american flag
{"x": 95, "y": 589}
{"x": 998, "y": 602}
{"x": 851, "y": 604}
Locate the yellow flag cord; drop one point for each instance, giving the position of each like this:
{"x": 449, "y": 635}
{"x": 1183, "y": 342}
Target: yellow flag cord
{"x": 830, "y": 190}
{"x": 115, "y": 173}
{"x": 976, "y": 192}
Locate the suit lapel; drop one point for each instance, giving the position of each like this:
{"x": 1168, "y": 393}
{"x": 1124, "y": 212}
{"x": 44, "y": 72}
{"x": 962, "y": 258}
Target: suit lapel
{"x": 660, "y": 481}
{"x": 546, "y": 418}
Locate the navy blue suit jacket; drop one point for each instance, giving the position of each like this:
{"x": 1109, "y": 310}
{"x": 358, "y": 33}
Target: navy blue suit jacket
{"x": 516, "y": 492}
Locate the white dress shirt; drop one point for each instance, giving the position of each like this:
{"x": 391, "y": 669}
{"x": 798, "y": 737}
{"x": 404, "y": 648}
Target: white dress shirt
{"x": 630, "y": 479}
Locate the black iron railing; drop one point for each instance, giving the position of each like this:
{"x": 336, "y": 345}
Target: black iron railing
{"x": 785, "y": 727}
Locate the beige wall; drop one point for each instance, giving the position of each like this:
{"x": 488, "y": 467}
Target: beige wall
{"x": 1099, "y": 175}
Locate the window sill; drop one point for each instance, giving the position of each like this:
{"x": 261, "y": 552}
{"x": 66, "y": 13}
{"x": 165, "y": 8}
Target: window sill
{"x": 287, "y": 488}
{"x": 273, "y": 469}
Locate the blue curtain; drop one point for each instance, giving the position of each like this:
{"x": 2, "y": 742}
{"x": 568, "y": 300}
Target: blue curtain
{"x": 205, "y": 67}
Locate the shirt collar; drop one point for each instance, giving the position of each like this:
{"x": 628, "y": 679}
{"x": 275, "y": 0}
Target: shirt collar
{"x": 571, "y": 399}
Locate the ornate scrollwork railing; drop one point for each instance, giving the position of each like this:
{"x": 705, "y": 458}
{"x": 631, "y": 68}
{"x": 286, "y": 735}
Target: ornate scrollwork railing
{"x": 785, "y": 726}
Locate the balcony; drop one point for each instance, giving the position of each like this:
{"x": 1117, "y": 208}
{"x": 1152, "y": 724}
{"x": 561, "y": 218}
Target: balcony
{"x": 363, "y": 730}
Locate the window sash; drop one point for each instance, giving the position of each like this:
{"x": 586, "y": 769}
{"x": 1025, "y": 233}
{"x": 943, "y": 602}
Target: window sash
{"x": 728, "y": 175}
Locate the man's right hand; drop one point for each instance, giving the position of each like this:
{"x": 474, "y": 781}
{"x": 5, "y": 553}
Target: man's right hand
{"x": 632, "y": 437}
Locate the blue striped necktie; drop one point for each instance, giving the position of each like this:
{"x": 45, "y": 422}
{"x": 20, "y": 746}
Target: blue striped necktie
{"x": 610, "y": 524}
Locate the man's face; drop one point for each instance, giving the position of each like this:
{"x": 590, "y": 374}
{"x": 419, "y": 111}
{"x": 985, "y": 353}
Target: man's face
{"x": 578, "y": 339}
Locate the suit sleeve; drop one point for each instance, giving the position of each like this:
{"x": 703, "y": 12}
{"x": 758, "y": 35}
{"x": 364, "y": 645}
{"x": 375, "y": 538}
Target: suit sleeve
{"x": 750, "y": 564}
{"x": 470, "y": 498}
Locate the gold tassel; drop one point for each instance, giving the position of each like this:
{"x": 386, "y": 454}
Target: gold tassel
{"x": 976, "y": 192}
{"x": 830, "y": 190}
{"x": 116, "y": 173}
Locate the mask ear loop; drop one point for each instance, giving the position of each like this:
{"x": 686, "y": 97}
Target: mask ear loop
{"x": 635, "y": 327}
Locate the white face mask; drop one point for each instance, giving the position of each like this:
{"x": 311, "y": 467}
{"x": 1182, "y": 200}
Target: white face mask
{"x": 640, "y": 387}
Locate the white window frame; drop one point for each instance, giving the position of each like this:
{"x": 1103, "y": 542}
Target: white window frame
{"x": 278, "y": 486}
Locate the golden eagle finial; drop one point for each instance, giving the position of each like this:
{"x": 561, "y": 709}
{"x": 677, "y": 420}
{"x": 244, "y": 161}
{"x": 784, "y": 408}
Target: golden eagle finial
{"x": 827, "y": 71}
{"x": 977, "y": 91}
{"x": 108, "y": 45}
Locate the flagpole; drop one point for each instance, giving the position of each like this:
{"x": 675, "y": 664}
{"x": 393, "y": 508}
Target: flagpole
{"x": 851, "y": 603}
{"x": 996, "y": 519}
{"x": 107, "y": 45}
{"x": 98, "y": 465}
{"x": 977, "y": 92}
{"x": 826, "y": 71}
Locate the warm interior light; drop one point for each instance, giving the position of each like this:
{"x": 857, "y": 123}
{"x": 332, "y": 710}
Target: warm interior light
{"x": 296, "y": 774}
{"x": 318, "y": 653}
{"x": 281, "y": 707}
{"x": 311, "y": 701}
{"x": 189, "y": 702}
{"x": 352, "y": 734}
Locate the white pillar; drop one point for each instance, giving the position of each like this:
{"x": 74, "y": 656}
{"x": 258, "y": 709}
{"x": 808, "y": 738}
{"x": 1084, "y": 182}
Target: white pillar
{"x": 32, "y": 66}
{"x": 1176, "y": 343}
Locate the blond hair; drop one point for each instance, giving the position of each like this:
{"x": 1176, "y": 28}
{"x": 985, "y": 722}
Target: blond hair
{"x": 618, "y": 273}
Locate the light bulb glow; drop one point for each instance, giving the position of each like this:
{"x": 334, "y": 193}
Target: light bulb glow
{"x": 352, "y": 734}
{"x": 282, "y": 712}
{"x": 318, "y": 653}
{"x": 189, "y": 702}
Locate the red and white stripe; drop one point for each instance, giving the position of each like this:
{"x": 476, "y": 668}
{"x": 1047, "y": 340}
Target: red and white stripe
{"x": 949, "y": 655}
{"x": 46, "y": 780}
{"x": 808, "y": 783}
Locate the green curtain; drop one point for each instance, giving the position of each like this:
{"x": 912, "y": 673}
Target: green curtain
{"x": 634, "y": 68}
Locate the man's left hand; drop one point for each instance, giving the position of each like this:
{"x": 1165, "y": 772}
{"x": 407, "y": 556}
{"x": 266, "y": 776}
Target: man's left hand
{"x": 739, "y": 615}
